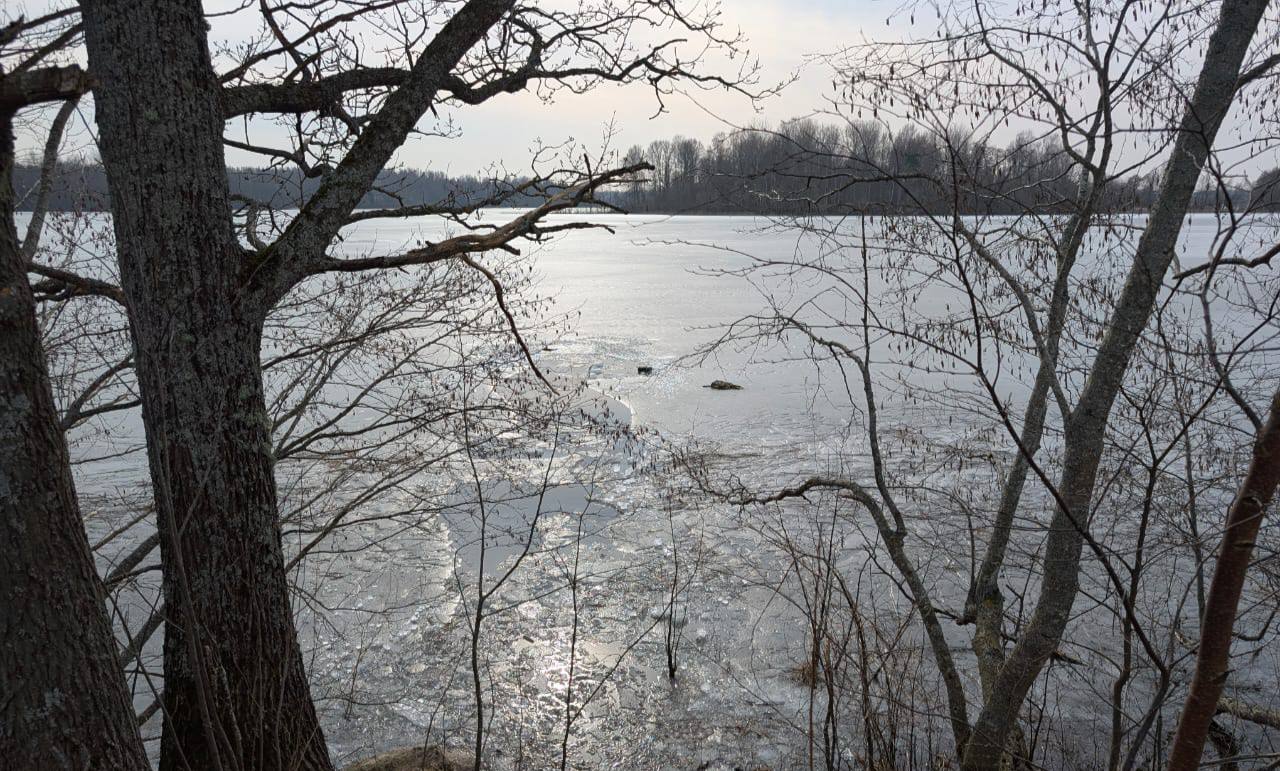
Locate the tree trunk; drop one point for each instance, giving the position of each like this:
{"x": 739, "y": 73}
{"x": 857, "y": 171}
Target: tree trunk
{"x": 236, "y": 693}
{"x": 1214, "y": 656}
{"x": 1085, "y": 427}
{"x": 63, "y": 701}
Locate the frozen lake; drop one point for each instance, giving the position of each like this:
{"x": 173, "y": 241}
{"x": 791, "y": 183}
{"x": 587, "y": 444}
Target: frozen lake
{"x": 386, "y": 607}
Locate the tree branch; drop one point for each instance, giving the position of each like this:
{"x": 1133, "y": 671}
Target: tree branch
{"x": 47, "y": 84}
{"x": 64, "y": 283}
{"x": 310, "y": 233}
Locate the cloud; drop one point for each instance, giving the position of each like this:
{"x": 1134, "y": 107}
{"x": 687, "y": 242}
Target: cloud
{"x": 783, "y": 36}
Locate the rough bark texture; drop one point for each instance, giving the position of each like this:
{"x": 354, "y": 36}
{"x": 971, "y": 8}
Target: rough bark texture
{"x": 236, "y": 693}
{"x": 1085, "y": 427}
{"x": 1213, "y": 658}
{"x": 63, "y": 703}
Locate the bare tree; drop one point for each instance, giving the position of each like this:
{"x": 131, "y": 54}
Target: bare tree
{"x": 1085, "y": 426}
{"x": 1223, "y": 602}
{"x": 999, "y": 260}
{"x": 235, "y": 689}
{"x": 64, "y": 703}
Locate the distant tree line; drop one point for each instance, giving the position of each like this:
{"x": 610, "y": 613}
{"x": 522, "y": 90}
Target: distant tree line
{"x": 801, "y": 167}
{"x": 805, "y": 166}
{"x": 80, "y": 185}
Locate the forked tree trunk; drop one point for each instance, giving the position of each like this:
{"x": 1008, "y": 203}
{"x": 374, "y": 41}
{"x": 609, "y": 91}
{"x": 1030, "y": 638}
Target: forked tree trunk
{"x": 1216, "y": 628}
{"x": 63, "y": 701}
{"x": 235, "y": 690}
{"x": 1085, "y": 427}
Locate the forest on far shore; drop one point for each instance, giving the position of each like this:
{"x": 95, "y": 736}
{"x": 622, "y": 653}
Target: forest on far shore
{"x": 802, "y": 167}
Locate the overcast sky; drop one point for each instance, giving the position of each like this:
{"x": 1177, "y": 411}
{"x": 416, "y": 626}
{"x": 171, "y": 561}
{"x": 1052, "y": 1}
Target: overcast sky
{"x": 783, "y": 35}
{"x": 780, "y": 34}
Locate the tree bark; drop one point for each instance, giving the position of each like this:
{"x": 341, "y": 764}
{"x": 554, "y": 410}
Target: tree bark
{"x": 63, "y": 701}
{"x": 1214, "y": 655}
{"x": 235, "y": 689}
{"x": 1086, "y": 425}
